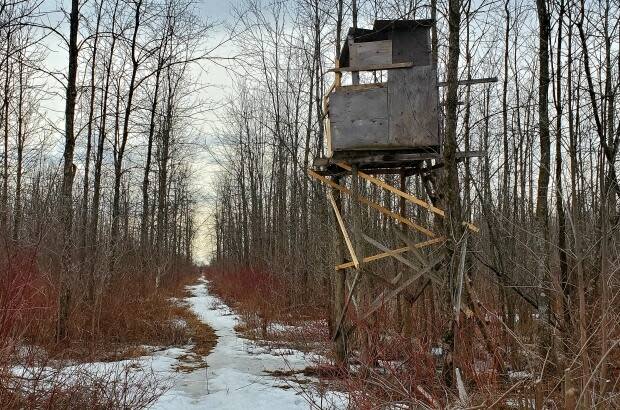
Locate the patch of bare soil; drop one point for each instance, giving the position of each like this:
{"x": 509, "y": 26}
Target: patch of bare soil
{"x": 200, "y": 335}
{"x": 179, "y": 327}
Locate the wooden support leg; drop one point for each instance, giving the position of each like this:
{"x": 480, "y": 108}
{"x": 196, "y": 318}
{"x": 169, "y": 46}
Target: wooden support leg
{"x": 405, "y": 308}
{"x": 343, "y": 229}
{"x": 339, "y": 286}
{"x": 366, "y": 346}
{"x": 346, "y": 305}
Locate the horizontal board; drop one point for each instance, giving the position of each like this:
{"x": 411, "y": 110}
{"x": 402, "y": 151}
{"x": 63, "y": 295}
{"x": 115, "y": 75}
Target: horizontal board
{"x": 370, "y": 53}
{"x": 374, "y": 67}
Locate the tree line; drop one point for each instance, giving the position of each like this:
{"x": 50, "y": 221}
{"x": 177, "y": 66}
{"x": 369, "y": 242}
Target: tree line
{"x": 545, "y": 193}
{"x": 99, "y": 114}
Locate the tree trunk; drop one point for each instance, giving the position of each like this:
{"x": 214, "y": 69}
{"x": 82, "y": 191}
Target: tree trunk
{"x": 542, "y": 224}
{"x": 452, "y": 225}
{"x": 66, "y": 209}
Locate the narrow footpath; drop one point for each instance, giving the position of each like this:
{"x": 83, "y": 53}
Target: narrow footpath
{"x": 236, "y": 375}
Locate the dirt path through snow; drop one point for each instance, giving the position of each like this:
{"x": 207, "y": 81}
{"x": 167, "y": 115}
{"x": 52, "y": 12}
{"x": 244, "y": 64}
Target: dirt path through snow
{"x": 235, "y": 377}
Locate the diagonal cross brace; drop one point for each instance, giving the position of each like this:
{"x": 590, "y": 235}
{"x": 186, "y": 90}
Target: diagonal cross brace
{"x": 382, "y": 298}
{"x": 343, "y": 228}
{"x": 408, "y": 197}
{"x": 372, "y": 204}
{"x": 399, "y": 258}
{"x": 383, "y": 255}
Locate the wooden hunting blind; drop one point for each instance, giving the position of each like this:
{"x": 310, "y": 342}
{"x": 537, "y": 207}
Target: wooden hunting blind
{"x": 381, "y": 128}
{"x": 399, "y": 114}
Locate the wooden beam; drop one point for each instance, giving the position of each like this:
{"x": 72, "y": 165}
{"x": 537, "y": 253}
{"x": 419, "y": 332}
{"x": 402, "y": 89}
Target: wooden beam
{"x": 402, "y": 194}
{"x": 374, "y": 67}
{"x": 362, "y": 87}
{"x": 372, "y": 204}
{"x": 403, "y": 236}
{"x": 471, "y": 82}
{"x": 395, "y": 190}
{"x": 433, "y": 274}
{"x": 398, "y": 251}
{"x": 346, "y": 304}
{"x": 399, "y": 258}
{"x": 343, "y": 229}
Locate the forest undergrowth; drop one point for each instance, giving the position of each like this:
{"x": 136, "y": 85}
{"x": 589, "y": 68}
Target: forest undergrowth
{"x": 390, "y": 364}
{"x": 130, "y": 318}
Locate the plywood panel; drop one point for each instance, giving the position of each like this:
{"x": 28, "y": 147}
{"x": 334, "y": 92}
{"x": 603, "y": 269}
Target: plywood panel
{"x": 412, "y": 45}
{"x": 371, "y": 53}
{"x": 358, "y": 118}
{"x": 412, "y": 102}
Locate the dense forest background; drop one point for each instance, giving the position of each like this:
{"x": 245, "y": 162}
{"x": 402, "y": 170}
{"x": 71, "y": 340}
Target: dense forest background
{"x": 98, "y": 190}
{"x": 100, "y": 112}
{"x": 542, "y": 276}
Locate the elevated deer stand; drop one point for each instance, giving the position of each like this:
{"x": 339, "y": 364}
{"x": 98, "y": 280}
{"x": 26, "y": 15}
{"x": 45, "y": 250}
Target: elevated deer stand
{"x": 376, "y": 129}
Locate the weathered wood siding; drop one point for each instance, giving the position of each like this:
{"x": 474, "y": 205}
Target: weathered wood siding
{"x": 358, "y": 118}
{"x": 371, "y": 53}
{"x": 412, "y": 45}
{"x": 399, "y": 114}
{"x": 412, "y": 107}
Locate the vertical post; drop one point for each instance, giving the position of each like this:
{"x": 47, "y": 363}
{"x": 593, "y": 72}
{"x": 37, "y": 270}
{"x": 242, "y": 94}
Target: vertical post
{"x": 356, "y": 216}
{"x": 452, "y": 224}
{"x": 339, "y": 286}
{"x": 407, "y": 308}
{"x": 338, "y": 30}
{"x": 538, "y": 395}
{"x": 355, "y": 75}
{"x": 569, "y": 391}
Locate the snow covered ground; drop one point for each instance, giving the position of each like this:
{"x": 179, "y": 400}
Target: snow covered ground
{"x": 235, "y": 377}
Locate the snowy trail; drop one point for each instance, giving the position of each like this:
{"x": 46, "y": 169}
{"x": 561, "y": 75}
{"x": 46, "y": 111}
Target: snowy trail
{"x": 235, "y": 377}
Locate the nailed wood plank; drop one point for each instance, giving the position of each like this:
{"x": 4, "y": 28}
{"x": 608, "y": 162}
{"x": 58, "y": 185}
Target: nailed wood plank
{"x": 372, "y": 204}
{"x": 412, "y": 107}
{"x": 409, "y": 197}
{"x": 358, "y": 118}
{"x": 343, "y": 229}
{"x": 373, "y": 67}
{"x": 358, "y": 87}
{"x": 386, "y": 254}
{"x": 385, "y": 160}
{"x": 370, "y": 53}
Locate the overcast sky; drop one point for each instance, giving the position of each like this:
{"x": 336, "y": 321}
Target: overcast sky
{"x": 213, "y": 76}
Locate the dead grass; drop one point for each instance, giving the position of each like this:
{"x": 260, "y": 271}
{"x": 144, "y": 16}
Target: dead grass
{"x": 202, "y": 338}
{"x": 263, "y": 299}
{"x": 128, "y": 314}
